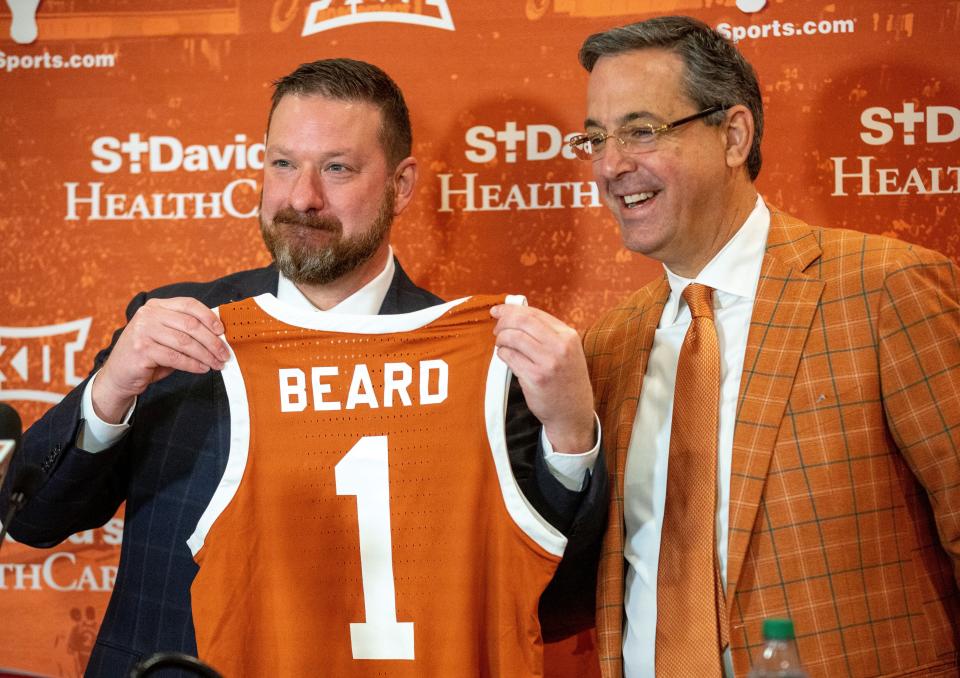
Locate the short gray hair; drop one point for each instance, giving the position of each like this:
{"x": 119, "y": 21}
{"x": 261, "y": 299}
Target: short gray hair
{"x": 715, "y": 73}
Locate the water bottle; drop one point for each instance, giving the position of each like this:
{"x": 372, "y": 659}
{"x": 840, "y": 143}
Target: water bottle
{"x": 779, "y": 657}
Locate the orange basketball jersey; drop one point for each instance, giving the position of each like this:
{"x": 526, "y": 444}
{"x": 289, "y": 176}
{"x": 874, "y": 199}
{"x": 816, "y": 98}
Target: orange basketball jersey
{"x": 368, "y": 522}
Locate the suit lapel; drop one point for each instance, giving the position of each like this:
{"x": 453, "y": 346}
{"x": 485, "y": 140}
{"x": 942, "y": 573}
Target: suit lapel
{"x": 617, "y": 372}
{"x": 630, "y": 364}
{"x": 403, "y": 296}
{"x": 785, "y": 304}
{"x": 244, "y": 285}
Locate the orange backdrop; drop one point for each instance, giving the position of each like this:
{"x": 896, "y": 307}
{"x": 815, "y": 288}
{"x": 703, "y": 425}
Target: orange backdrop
{"x": 130, "y": 156}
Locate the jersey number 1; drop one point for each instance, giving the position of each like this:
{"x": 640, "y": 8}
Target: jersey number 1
{"x": 363, "y": 473}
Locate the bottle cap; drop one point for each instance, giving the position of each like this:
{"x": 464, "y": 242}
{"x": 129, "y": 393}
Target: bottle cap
{"x": 778, "y": 629}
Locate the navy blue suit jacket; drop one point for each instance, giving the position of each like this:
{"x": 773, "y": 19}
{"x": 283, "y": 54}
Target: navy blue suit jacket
{"x": 169, "y": 463}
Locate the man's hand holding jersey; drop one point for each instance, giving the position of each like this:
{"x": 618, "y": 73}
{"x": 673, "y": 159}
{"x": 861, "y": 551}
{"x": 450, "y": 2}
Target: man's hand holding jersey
{"x": 547, "y": 358}
{"x": 162, "y": 336}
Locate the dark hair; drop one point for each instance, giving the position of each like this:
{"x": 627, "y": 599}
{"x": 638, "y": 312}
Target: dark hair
{"x": 715, "y": 73}
{"x": 351, "y": 80}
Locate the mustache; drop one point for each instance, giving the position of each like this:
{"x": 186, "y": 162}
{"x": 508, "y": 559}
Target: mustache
{"x": 290, "y": 216}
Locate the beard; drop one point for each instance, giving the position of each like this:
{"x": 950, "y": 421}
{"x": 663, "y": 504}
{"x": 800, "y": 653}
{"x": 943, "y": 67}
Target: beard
{"x": 305, "y": 262}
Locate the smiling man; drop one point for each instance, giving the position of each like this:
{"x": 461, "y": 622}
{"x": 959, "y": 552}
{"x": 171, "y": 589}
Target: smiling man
{"x": 784, "y": 401}
{"x": 260, "y": 525}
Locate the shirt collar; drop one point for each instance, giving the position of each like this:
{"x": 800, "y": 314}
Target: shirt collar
{"x": 365, "y": 301}
{"x": 733, "y": 272}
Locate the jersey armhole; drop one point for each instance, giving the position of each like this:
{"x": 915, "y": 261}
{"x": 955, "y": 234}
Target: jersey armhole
{"x": 523, "y": 514}
{"x": 237, "y": 456}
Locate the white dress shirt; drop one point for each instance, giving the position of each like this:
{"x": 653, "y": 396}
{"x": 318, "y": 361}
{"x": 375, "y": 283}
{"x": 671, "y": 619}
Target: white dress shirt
{"x": 733, "y": 273}
{"x": 97, "y": 435}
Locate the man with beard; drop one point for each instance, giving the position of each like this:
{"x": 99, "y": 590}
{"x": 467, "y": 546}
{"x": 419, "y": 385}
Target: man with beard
{"x": 151, "y": 425}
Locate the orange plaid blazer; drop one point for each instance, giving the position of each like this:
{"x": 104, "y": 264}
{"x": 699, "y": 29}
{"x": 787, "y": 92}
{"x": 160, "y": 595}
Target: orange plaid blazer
{"x": 846, "y": 454}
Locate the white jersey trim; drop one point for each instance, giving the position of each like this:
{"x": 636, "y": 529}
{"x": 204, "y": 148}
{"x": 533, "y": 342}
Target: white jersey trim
{"x": 495, "y": 409}
{"x": 349, "y": 323}
{"x": 237, "y": 456}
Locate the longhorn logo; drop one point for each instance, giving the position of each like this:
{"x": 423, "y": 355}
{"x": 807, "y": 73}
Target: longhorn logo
{"x": 23, "y": 29}
{"x": 430, "y": 13}
{"x": 751, "y": 6}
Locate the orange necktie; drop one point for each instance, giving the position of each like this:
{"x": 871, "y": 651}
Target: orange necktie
{"x": 691, "y": 608}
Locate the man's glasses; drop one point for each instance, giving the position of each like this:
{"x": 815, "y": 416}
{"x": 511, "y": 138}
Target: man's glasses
{"x": 632, "y": 137}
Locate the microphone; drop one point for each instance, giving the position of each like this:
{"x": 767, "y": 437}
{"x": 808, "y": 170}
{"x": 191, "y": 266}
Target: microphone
{"x": 28, "y": 479}
{"x": 10, "y": 429}
{"x": 25, "y": 484}
{"x": 162, "y": 660}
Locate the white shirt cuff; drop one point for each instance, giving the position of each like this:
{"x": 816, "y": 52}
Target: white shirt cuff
{"x": 96, "y": 435}
{"x": 571, "y": 469}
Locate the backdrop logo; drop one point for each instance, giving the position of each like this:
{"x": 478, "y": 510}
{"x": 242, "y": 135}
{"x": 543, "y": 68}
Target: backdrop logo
{"x": 908, "y": 126}
{"x": 60, "y": 571}
{"x": 933, "y": 125}
{"x": 157, "y": 154}
{"x": 325, "y": 15}
{"x": 514, "y": 142}
{"x": 39, "y": 363}
{"x": 537, "y": 9}
{"x": 534, "y": 142}
{"x": 23, "y": 28}
{"x": 751, "y": 6}
{"x": 140, "y": 154}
